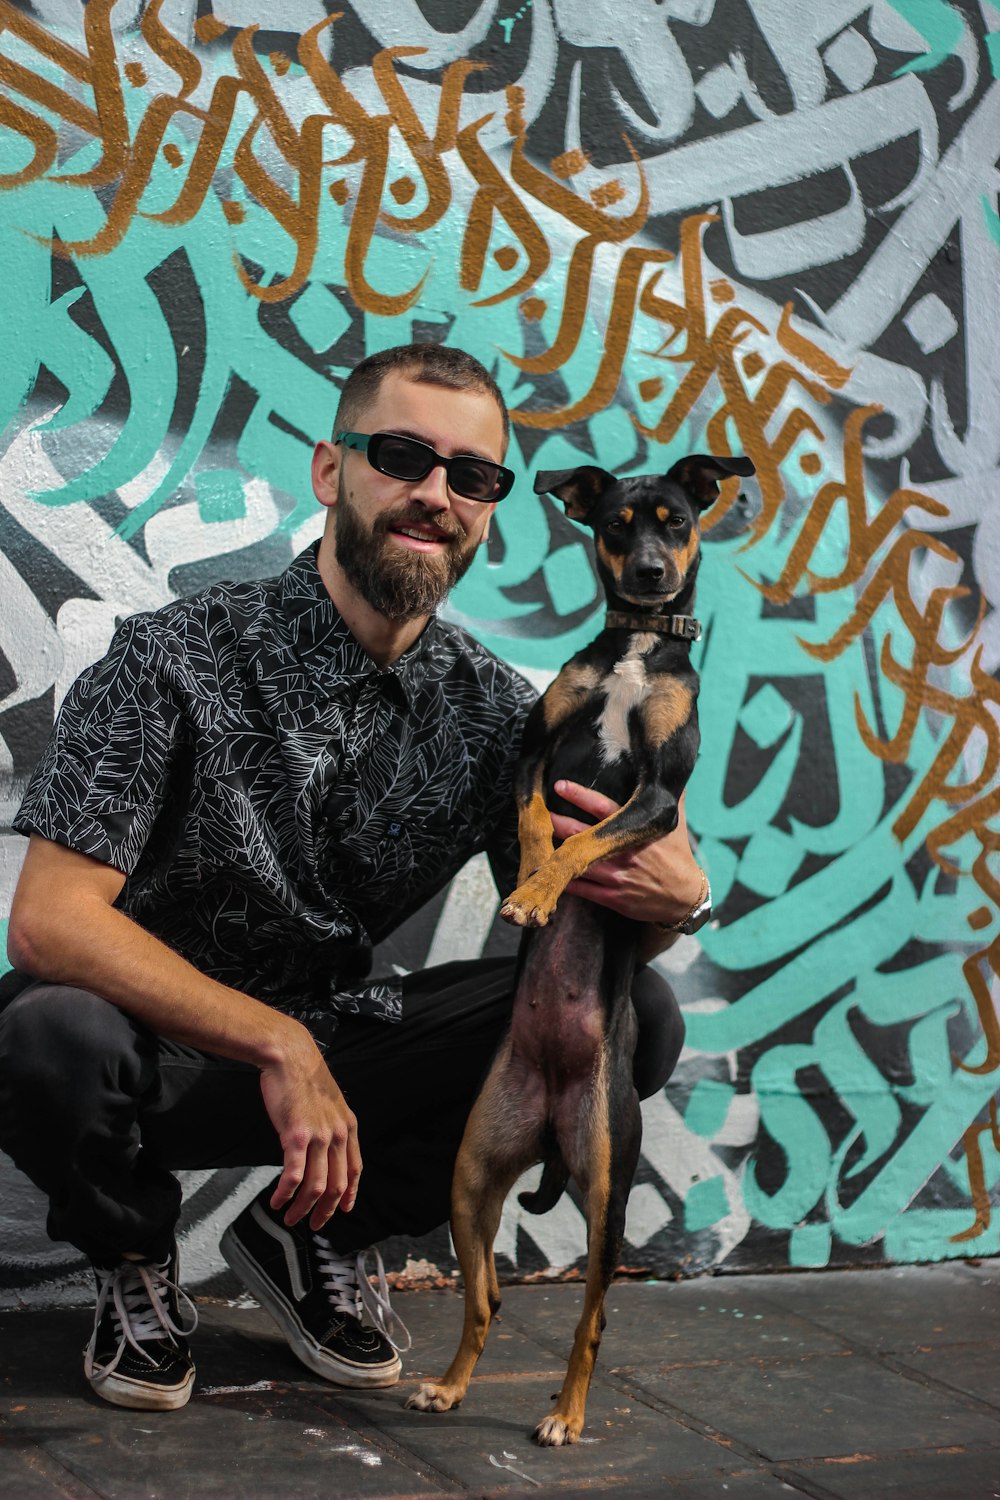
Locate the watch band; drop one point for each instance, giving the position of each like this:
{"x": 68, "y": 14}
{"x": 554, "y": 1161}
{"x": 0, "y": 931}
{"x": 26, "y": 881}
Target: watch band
{"x": 696, "y": 918}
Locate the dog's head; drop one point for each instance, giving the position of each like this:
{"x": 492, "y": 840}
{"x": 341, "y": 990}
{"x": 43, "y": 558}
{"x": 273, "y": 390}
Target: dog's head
{"x": 646, "y": 528}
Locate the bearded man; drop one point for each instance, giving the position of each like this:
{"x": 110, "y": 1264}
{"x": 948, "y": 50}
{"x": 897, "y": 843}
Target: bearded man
{"x": 251, "y": 789}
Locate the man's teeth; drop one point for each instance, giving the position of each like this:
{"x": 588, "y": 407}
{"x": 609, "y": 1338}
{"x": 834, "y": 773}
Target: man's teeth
{"x": 422, "y": 536}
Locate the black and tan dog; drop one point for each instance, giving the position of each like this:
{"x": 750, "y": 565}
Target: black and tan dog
{"x": 620, "y": 717}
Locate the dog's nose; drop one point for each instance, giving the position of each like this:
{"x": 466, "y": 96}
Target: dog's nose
{"x": 650, "y": 572}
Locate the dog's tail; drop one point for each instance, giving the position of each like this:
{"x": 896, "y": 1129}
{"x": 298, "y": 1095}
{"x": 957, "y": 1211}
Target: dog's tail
{"x": 555, "y": 1175}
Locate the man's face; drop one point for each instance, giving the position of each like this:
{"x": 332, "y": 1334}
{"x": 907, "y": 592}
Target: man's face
{"x": 403, "y": 544}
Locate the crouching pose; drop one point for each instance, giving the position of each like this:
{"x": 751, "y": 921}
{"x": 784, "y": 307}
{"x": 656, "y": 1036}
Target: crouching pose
{"x": 252, "y": 788}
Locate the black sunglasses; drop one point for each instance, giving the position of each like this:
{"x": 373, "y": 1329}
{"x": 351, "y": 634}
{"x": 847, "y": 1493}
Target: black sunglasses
{"x": 406, "y": 458}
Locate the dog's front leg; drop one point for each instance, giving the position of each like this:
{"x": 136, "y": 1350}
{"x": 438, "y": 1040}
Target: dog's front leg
{"x": 550, "y": 719}
{"x": 649, "y": 812}
{"x": 534, "y": 821}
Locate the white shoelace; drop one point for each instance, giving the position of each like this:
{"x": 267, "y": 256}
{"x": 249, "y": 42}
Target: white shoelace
{"x": 345, "y": 1280}
{"x": 138, "y": 1292}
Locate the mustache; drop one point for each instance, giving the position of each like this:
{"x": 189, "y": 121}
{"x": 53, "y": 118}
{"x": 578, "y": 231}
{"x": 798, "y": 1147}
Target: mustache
{"x": 446, "y": 523}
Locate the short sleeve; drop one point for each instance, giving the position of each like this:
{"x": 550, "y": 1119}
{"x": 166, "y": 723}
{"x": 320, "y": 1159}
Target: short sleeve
{"x": 104, "y": 775}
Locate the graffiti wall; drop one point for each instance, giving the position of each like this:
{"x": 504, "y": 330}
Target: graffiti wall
{"x": 742, "y": 225}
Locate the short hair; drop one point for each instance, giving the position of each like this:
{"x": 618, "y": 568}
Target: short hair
{"x": 427, "y": 364}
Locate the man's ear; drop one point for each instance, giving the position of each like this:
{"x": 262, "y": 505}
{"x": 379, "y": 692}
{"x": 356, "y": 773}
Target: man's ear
{"x": 578, "y": 489}
{"x": 326, "y": 472}
{"x": 701, "y": 473}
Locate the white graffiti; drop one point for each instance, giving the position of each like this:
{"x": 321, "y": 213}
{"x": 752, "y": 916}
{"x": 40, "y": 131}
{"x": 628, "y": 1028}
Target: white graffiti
{"x": 768, "y": 114}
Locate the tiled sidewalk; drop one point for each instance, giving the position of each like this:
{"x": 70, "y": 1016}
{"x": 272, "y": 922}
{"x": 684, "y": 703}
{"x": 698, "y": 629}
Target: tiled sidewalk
{"x": 836, "y": 1385}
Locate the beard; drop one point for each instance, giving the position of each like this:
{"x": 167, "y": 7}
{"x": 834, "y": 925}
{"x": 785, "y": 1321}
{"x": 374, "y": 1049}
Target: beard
{"x": 397, "y": 583}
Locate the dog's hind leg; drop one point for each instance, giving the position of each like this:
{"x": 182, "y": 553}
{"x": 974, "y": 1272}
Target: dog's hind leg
{"x": 493, "y": 1154}
{"x": 606, "y": 1177}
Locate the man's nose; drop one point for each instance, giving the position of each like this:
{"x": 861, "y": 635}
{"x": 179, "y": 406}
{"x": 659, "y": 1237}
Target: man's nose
{"x": 432, "y": 491}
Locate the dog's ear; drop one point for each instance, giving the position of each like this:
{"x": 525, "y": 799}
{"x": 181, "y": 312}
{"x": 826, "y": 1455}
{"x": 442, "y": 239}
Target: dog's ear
{"x": 700, "y": 475}
{"x": 578, "y": 489}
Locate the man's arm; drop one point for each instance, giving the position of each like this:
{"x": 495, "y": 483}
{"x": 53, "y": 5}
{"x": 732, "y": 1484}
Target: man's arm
{"x": 659, "y": 882}
{"x": 64, "y": 928}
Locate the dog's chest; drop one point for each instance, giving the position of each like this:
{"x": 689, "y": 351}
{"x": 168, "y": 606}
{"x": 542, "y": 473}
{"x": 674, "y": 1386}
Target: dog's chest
{"x": 626, "y": 687}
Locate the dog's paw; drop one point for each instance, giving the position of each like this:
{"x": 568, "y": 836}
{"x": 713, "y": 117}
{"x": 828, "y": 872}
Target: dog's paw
{"x": 432, "y": 1397}
{"x": 555, "y": 1431}
{"x": 523, "y": 910}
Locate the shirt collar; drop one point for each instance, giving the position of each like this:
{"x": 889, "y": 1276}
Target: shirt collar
{"x": 325, "y": 645}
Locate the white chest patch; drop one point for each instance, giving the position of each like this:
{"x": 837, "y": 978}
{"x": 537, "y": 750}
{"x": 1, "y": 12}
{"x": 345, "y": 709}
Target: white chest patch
{"x": 626, "y": 690}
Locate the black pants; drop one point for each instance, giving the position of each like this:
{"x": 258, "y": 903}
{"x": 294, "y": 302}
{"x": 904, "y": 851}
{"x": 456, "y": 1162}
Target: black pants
{"x": 97, "y": 1110}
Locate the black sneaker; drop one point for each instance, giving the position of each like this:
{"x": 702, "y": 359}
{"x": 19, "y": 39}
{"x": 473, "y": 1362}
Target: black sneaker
{"x": 138, "y": 1354}
{"x": 335, "y": 1322}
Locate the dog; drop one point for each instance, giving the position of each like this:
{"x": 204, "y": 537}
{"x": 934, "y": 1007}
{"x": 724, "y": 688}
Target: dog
{"x": 621, "y": 716}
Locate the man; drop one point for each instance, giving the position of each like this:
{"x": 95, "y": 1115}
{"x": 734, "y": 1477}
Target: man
{"x": 253, "y": 787}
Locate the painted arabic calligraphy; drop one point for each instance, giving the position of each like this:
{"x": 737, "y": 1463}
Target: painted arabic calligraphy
{"x": 729, "y": 224}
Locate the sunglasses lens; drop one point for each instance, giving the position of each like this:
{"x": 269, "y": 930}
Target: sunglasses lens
{"x": 474, "y": 478}
{"x": 401, "y": 457}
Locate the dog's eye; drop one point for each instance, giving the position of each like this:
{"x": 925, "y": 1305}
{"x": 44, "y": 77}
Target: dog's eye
{"x": 616, "y": 523}
{"x": 675, "y": 522}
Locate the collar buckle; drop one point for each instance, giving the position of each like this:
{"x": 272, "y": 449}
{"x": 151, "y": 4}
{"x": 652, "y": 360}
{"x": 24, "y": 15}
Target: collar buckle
{"x": 684, "y": 627}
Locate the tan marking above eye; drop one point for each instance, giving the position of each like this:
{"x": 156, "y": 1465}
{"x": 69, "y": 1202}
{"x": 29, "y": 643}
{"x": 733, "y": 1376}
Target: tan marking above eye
{"x": 668, "y": 517}
{"x": 626, "y": 514}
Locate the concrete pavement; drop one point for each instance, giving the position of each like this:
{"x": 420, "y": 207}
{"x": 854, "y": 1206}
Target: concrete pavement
{"x": 836, "y": 1385}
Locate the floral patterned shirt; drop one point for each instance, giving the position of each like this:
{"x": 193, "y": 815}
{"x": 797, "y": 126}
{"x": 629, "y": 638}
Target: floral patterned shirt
{"x": 276, "y": 802}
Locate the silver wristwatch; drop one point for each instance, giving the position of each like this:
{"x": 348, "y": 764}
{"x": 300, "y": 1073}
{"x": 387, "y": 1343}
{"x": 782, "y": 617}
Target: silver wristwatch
{"x": 696, "y": 918}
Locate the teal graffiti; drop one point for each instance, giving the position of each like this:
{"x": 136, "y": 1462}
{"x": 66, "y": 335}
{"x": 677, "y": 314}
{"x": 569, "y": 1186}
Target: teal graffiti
{"x": 220, "y": 495}
{"x": 993, "y": 52}
{"x": 839, "y": 929}
{"x": 809, "y": 1245}
{"x": 708, "y": 1106}
{"x": 842, "y": 923}
{"x": 989, "y": 212}
{"x": 507, "y": 23}
{"x": 705, "y": 1204}
{"x": 938, "y": 23}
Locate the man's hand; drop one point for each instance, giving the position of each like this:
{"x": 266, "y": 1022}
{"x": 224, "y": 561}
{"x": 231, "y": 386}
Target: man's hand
{"x": 318, "y": 1134}
{"x": 656, "y": 882}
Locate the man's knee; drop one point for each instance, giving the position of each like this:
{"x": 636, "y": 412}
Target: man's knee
{"x": 661, "y": 1031}
{"x": 57, "y": 1037}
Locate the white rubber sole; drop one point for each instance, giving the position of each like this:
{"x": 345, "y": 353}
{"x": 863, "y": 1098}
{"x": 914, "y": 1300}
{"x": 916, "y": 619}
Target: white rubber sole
{"x": 301, "y": 1342}
{"x": 136, "y": 1396}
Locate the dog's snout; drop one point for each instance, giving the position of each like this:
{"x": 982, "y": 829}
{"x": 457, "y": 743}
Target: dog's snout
{"x": 650, "y": 574}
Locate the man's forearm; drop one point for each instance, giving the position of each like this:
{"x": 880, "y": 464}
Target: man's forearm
{"x": 73, "y": 936}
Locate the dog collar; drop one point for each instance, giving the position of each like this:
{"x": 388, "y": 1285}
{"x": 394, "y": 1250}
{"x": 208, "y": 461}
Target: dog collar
{"x": 686, "y": 627}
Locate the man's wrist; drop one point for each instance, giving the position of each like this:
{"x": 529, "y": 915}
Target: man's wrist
{"x": 696, "y": 915}
{"x": 284, "y": 1042}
